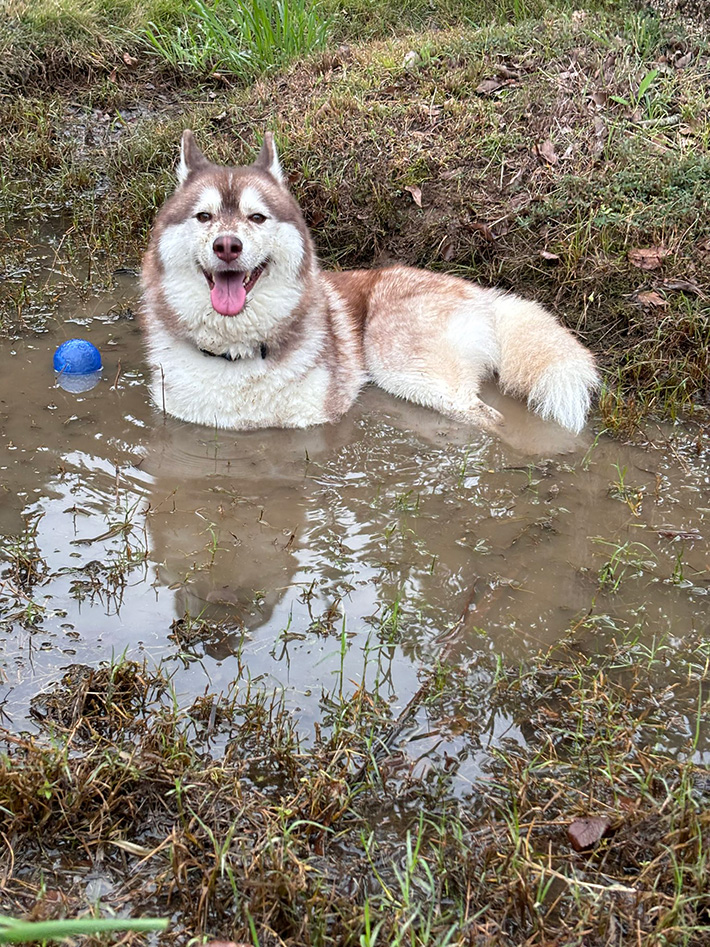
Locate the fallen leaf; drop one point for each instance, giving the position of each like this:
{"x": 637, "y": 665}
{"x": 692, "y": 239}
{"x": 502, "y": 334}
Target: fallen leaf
{"x": 416, "y": 193}
{"x": 648, "y": 258}
{"x": 483, "y": 229}
{"x": 649, "y": 297}
{"x": 546, "y": 151}
{"x": 585, "y": 833}
{"x": 600, "y": 135}
{"x": 446, "y": 250}
{"x": 669, "y": 532}
{"x": 488, "y": 86}
{"x": 683, "y": 61}
{"x": 453, "y": 173}
{"x": 546, "y": 255}
{"x": 505, "y": 72}
{"x": 609, "y": 67}
{"x": 411, "y": 59}
{"x": 129, "y": 60}
{"x": 600, "y": 99}
{"x": 683, "y": 286}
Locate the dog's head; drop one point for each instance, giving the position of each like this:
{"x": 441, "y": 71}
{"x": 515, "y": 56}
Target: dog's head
{"x": 229, "y": 235}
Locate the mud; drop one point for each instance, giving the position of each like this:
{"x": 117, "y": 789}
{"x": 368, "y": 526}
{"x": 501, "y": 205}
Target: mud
{"x": 382, "y": 543}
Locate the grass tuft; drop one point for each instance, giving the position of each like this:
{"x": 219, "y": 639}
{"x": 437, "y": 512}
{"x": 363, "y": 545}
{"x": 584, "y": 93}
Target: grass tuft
{"x": 240, "y": 38}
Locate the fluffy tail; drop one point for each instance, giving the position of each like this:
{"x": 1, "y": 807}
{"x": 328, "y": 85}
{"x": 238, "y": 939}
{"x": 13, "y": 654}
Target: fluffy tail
{"x": 543, "y": 362}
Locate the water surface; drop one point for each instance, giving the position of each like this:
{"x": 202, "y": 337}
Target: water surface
{"x": 366, "y": 550}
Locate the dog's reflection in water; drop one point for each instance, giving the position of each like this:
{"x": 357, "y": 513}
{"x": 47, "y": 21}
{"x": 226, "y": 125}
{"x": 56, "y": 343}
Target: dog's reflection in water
{"x": 228, "y": 515}
{"x": 234, "y": 515}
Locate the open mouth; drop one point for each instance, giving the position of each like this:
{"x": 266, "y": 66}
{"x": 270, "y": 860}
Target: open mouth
{"x": 229, "y": 288}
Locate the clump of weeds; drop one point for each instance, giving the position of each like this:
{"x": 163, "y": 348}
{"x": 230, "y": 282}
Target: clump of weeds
{"x": 24, "y": 565}
{"x": 226, "y": 816}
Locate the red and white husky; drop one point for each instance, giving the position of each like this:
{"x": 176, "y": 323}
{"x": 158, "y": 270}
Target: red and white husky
{"x": 244, "y": 330}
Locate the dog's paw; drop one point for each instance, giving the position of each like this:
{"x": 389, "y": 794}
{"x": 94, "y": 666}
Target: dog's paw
{"x": 488, "y": 417}
{"x": 479, "y": 414}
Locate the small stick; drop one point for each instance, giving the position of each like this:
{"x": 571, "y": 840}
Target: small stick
{"x": 118, "y": 375}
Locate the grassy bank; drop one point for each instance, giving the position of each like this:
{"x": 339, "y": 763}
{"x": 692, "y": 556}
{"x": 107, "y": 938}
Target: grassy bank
{"x": 563, "y": 154}
{"x": 221, "y": 817}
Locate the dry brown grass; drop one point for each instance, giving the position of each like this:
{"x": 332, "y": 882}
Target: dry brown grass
{"x": 219, "y": 816}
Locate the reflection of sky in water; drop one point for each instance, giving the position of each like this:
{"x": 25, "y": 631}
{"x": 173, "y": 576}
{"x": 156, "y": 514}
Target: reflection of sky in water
{"x": 401, "y": 525}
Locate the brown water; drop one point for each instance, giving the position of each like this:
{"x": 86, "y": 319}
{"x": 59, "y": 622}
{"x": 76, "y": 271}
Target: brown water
{"x": 319, "y": 558}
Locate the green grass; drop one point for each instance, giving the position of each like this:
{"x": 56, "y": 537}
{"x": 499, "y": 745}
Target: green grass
{"x": 240, "y": 38}
{"x": 13, "y": 931}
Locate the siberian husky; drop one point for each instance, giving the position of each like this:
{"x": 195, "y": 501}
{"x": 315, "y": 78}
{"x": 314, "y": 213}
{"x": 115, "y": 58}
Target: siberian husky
{"x": 245, "y": 330}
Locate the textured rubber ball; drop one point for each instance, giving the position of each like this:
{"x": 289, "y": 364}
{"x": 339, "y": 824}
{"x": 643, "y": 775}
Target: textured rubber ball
{"x": 77, "y": 357}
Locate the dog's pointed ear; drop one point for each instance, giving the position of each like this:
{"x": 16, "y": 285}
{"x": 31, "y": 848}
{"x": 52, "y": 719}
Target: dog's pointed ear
{"x": 268, "y": 159}
{"x": 191, "y": 158}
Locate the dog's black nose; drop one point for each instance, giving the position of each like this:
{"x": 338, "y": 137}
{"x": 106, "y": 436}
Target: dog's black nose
{"x": 227, "y": 247}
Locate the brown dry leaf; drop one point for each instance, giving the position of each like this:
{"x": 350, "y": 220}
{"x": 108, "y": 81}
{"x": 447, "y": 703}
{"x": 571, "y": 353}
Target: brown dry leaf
{"x": 649, "y": 297}
{"x": 683, "y": 61}
{"x": 446, "y": 250}
{"x": 585, "y": 833}
{"x": 683, "y": 286}
{"x": 450, "y": 175}
{"x": 488, "y": 86}
{"x": 609, "y": 67}
{"x": 505, "y": 72}
{"x": 600, "y": 99}
{"x": 546, "y": 151}
{"x": 670, "y": 532}
{"x": 416, "y": 193}
{"x": 129, "y": 60}
{"x": 648, "y": 258}
{"x": 552, "y": 257}
{"x": 483, "y": 229}
{"x": 600, "y": 135}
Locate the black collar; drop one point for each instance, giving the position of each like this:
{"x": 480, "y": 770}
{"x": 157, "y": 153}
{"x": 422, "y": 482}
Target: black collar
{"x": 234, "y": 358}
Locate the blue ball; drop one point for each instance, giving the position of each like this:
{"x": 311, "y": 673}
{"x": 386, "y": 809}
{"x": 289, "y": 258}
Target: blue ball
{"x": 77, "y": 357}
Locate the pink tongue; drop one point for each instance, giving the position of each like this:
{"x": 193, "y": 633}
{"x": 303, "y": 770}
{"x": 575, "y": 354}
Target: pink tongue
{"x": 228, "y": 294}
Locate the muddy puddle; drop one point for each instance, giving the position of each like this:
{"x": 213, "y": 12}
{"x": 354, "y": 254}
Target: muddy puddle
{"x": 363, "y": 552}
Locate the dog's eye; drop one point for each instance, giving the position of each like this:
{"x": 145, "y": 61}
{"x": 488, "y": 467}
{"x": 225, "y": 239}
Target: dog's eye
{"x": 203, "y": 216}
{"x": 257, "y": 218}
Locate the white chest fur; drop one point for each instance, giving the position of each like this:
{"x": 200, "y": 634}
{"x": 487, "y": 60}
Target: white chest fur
{"x": 243, "y": 394}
